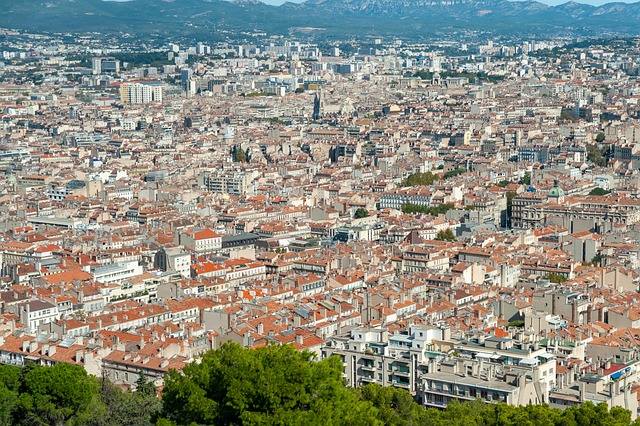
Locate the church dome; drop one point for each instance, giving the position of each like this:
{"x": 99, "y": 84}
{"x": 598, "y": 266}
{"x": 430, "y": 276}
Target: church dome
{"x": 556, "y": 191}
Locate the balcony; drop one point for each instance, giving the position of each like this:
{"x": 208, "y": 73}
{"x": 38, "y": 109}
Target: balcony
{"x": 401, "y": 383}
{"x": 402, "y": 369}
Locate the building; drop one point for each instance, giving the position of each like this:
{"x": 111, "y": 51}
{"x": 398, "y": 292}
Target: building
{"x": 470, "y": 379}
{"x": 104, "y": 64}
{"x": 225, "y": 182}
{"x": 200, "y": 241}
{"x": 318, "y": 104}
{"x": 372, "y": 355}
{"x": 37, "y": 312}
{"x": 173, "y": 259}
{"x": 142, "y": 92}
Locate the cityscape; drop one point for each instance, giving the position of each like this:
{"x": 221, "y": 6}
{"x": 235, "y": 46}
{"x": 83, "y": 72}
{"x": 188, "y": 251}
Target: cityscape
{"x": 455, "y": 217}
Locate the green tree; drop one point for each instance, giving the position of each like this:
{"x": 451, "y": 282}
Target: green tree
{"x": 454, "y": 173}
{"x": 445, "y": 235}
{"x": 556, "y": 278}
{"x": 600, "y": 137}
{"x": 526, "y": 179}
{"x": 597, "y": 260}
{"x": 62, "y": 394}
{"x": 360, "y": 213}
{"x": 516, "y": 323}
{"x": 395, "y": 406}
{"x": 599, "y": 191}
{"x": 239, "y": 155}
{"x": 419, "y": 178}
{"x": 597, "y": 155}
{"x": 269, "y": 385}
{"x": 144, "y": 386}
{"x": 433, "y": 211}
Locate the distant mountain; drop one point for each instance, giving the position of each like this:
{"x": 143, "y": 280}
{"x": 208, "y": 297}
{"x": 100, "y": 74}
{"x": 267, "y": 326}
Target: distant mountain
{"x": 416, "y": 18}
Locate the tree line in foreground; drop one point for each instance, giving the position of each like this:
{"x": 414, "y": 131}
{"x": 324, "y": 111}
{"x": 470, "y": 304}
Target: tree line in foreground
{"x": 274, "y": 385}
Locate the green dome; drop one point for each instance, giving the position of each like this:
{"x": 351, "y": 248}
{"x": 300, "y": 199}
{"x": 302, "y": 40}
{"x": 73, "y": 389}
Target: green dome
{"x": 556, "y": 191}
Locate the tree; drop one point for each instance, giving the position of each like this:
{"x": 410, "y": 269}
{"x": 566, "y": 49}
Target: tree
{"x": 556, "y": 278}
{"x": 597, "y": 260}
{"x": 418, "y": 178}
{"x": 433, "y": 211}
{"x": 600, "y": 137}
{"x": 127, "y": 407}
{"x": 60, "y": 394}
{"x": 360, "y": 213}
{"x": 144, "y": 386}
{"x": 239, "y": 155}
{"x": 516, "y": 323}
{"x": 454, "y": 173}
{"x": 597, "y": 155}
{"x": 269, "y": 385}
{"x": 599, "y": 191}
{"x": 526, "y": 179}
{"x": 273, "y": 385}
{"x": 445, "y": 235}
{"x": 395, "y": 406}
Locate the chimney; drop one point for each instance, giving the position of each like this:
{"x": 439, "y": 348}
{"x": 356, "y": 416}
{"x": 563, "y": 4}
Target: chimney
{"x": 260, "y": 329}
{"x": 299, "y": 339}
{"x": 33, "y": 346}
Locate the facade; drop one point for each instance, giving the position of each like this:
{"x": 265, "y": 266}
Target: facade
{"x": 200, "y": 240}
{"x": 471, "y": 379}
{"x": 372, "y": 355}
{"x": 225, "y": 182}
{"x": 173, "y": 259}
{"x": 142, "y": 92}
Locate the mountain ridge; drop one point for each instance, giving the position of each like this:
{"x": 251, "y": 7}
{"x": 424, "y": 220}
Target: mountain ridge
{"x": 405, "y": 18}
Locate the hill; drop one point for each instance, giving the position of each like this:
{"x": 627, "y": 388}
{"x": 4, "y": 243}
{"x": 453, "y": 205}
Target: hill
{"x": 337, "y": 18}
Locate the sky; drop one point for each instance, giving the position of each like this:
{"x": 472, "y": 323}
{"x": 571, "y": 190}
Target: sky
{"x": 549, "y": 2}
{"x": 591, "y": 2}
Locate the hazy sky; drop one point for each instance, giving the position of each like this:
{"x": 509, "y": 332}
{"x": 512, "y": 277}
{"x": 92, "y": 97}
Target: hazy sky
{"x": 593, "y": 2}
{"x": 550, "y": 2}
